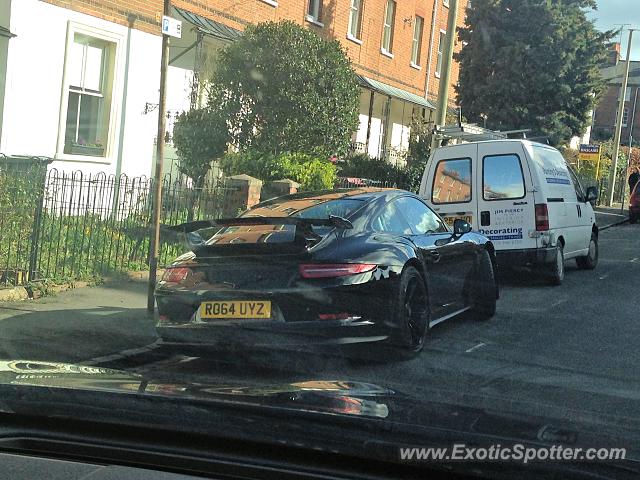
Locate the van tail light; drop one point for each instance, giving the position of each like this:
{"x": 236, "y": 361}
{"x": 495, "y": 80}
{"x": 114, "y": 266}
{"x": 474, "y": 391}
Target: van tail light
{"x": 332, "y": 270}
{"x": 542, "y": 217}
{"x": 176, "y": 275}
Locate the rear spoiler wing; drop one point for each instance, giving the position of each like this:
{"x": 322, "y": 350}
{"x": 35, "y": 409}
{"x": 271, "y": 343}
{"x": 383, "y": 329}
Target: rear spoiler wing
{"x": 305, "y": 223}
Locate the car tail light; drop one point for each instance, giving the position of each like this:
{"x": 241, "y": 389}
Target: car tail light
{"x": 331, "y": 270}
{"x": 542, "y": 217}
{"x": 176, "y": 275}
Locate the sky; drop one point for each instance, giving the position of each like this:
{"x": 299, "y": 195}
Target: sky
{"x": 612, "y": 13}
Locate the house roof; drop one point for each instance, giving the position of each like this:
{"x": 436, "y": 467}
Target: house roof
{"x": 4, "y": 32}
{"x": 208, "y": 26}
{"x": 614, "y": 74}
{"x": 398, "y": 93}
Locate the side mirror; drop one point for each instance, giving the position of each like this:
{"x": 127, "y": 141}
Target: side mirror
{"x": 460, "y": 227}
{"x": 592, "y": 194}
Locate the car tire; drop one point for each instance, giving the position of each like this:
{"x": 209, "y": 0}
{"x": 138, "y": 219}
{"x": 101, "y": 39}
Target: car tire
{"x": 633, "y": 218}
{"x": 555, "y": 272}
{"x": 484, "y": 288}
{"x": 411, "y": 312}
{"x": 590, "y": 261}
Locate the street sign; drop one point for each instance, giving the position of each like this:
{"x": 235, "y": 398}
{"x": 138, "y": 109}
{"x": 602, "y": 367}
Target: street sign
{"x": 589, "y": 152}
{"x": 171, "y": 27}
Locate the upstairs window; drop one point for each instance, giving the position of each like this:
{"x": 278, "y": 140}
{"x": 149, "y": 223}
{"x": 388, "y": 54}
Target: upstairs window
{"x": 387, "y": 29}
{"x": 441, "y": 39}
{"x": 314, "y": 11}
{"x": 416, "y": 46}
{"x": 355, "y": 19}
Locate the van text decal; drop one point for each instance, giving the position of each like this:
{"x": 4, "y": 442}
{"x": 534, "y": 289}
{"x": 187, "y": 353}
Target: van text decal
{"x": 562, "y": 181}
{"x": 502, "y": 233}
{"x": 556, "y": 176}
{"x": 555, "y": 172}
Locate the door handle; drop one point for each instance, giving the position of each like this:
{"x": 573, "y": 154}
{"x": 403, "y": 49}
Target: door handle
{"x": 435, "y": 256}
{"x": 485, "y": 218}
{"x": 579, "y": 211}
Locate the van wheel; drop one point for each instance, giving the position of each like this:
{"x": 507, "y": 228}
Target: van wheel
{"x": 590, "y": 261}
{"x": 484, "y": 288}
{"x": 556, "y": 269}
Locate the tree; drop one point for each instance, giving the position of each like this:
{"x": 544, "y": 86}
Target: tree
{"x": 531, "y": 64}
{"x": 283, "y": 88}
{"x": 200, "y": 136}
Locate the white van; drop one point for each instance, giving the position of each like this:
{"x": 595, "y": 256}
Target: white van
{"x": 522, "y": 196}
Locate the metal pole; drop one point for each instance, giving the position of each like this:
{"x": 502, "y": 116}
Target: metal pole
{"x": 445, "y": 74}
{"x": 616, "y": 140}
{"x": 157, "y": 184}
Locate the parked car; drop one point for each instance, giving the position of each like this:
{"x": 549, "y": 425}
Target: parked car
{"x": 522, "y": 196}
{"x": 634, "y": 204}
{"x": 333, "y": 267}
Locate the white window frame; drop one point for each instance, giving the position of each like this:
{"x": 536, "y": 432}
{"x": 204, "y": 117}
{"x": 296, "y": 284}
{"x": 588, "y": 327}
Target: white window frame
{"x": 445, "y": 3}
{"x": 314, "y": 16}
{"x": 416, "y": 43}
{"x": 355, "y": 12}
{"x": 111, "y": 140}
{"x": 442, "y": 37}
{"x": 273, "y": 3}
{"x": 388, "y": 26}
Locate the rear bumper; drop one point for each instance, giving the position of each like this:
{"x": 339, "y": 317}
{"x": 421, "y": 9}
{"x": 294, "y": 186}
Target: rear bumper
{"x": 272, "y": 334}
{"x": 527, "y": 257}
{"x": 296, "y": 317}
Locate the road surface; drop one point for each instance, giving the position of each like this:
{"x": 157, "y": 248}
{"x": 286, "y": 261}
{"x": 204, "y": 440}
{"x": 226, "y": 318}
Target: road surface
{"x": 568, "y": 351}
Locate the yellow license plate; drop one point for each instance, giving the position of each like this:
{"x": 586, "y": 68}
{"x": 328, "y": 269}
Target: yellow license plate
{"x": 236, "y": 309}
{"x": 449, "y": 219}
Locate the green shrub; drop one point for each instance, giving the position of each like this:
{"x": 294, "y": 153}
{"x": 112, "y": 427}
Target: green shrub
{"x": 311, "y": 172}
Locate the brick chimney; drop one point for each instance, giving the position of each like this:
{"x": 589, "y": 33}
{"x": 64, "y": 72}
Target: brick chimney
{"x": 614, "y": 55}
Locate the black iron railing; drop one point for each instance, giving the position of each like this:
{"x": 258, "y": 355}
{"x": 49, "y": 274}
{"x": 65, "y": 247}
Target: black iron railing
{"x": 75, "y": 225}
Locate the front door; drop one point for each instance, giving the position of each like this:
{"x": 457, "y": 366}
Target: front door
{"x": 448, "y": 263}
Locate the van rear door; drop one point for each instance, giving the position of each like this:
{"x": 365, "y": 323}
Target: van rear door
{"x": 448, "y": 186}
{"x": 506, "y": 203}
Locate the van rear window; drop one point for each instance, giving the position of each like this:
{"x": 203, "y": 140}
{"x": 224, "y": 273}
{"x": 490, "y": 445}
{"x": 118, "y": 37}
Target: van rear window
{"x": 452, "y": 181}
{"x": 502, "y": 177}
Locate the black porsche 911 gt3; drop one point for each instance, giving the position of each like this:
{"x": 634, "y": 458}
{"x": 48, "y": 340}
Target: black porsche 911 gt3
{"x": 338, "y": 267}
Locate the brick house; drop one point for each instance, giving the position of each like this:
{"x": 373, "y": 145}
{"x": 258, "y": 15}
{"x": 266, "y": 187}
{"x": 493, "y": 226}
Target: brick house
{"x": 604, "y": 118}
{"x": 88, "y": 94}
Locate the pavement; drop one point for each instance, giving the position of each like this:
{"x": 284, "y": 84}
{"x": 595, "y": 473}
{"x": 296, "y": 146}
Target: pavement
{"x": 610, "y": 216}
{"x": 570, "y": 351}
{"x": 78, "y": 324}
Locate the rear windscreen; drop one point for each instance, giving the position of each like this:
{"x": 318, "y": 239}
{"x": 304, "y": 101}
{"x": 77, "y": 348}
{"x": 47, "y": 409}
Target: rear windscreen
{"x": 247, "y": 234}
{"x": 452, "y": 181}
{"x": 502, "y": 177}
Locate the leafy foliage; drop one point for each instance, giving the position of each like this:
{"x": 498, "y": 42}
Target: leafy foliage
{"x": 531, "y": 64}
{"x": 200, "y": 136}
{"x": 312, "y": 172}
{"x": 284, "y": 88}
